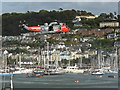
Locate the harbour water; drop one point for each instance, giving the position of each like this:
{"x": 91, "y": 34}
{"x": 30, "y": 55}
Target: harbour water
{"x": 64, "y": 81}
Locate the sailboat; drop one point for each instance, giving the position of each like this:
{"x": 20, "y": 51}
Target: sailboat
{"x": 20, "y": 70}
{"x": 100, "y": 61}
{"x": 114, "y": 63}
{"x": 52, "y": 69}
{"x": 97, "y": 73}
{"x": 4, "y": 71}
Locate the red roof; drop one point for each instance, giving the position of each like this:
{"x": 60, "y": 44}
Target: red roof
{"x": 85, "y": 15}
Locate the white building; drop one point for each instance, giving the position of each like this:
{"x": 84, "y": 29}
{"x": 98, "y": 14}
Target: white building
{"x": 109, "y": 24}
{"x": 89, "y": 17}
{"x": 78, "y": 18}
{"x": 26, "y": 62}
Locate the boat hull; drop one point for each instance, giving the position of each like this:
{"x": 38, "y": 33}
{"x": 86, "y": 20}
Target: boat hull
{"x": 97, "y": 74}
{"x": 5, "y": 74}
{"x": 53, "y": 73}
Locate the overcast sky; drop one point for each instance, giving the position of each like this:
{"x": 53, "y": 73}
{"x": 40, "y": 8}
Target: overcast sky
{"x": 94, "y": 7}
{"x": 60, "y": 0}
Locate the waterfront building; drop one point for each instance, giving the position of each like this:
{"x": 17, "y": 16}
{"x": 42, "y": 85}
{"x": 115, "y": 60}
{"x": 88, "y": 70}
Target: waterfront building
{"x": 56, "y": 56}
{"x": 63, "y": 56}
{"x": 92, "y": 52}
{"x": 27, "y": 62}
{"x": 73, "y": 55}
{"x": 79, "y": 55}
{"x": 86, "y": 55}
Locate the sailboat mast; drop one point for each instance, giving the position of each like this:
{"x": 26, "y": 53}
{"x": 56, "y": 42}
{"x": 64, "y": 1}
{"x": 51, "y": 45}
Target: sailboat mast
{"x": 56, "y": 59}
{"x": 44, "y": 59}
{"x": 47, "y": 54}
{"x": 38, "y": 57}
{"x": 99, "y": 60}
{"x": 20, "y": 60}
{"x": 116, "y": 61}
{"x": 81, "y": 62}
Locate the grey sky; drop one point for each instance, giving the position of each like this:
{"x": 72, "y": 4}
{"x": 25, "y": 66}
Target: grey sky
{"x": 94, "y": 7}
{"x": 60, "y": 0}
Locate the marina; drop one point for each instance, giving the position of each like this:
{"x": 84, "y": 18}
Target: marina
{"x": 60, "y": 48}
{"x": 102, "y": 73}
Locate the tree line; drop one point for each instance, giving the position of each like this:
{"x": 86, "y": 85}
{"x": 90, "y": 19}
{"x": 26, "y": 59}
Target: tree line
{"x": 11, "y": 21}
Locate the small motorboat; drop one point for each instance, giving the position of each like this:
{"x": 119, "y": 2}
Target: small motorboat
{"x": 49, "y": 72}
{"x": 97, "y": 73}
{"x": 77, "y": 81}
{"x": 34, "y": 74}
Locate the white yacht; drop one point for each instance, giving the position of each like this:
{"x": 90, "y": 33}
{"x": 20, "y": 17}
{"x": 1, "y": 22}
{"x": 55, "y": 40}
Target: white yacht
{"x": 98, "y": 72}
{"x": 110, "y": 71}
{"x": 22, "y": 70}
{"x": 74, "y": 69}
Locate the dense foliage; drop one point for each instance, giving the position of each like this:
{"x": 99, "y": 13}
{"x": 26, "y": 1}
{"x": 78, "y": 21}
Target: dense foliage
{"x": 11, "y": 21}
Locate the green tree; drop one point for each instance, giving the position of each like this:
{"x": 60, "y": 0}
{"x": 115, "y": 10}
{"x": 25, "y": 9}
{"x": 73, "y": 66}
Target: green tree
{"x": 111, "y": 15}
{"x": 60, "y": 9}
{"x": 103, "y": 15}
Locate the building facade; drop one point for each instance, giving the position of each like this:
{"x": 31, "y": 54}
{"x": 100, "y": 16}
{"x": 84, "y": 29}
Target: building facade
{"x": 109, "y": 24}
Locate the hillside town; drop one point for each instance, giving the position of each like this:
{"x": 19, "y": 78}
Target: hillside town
{"x": 86, "y": 45}
{"x": 71, "y": 46}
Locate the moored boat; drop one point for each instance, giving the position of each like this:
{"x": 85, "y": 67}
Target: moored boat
{"x": 5, "y": 74}
{"x": 97, "y": 73}
{"x": 110, "y": 71}
{"x": 74, "y": 69}
{"x": 52, "y": 72}
{"x": 22, "y": 70}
